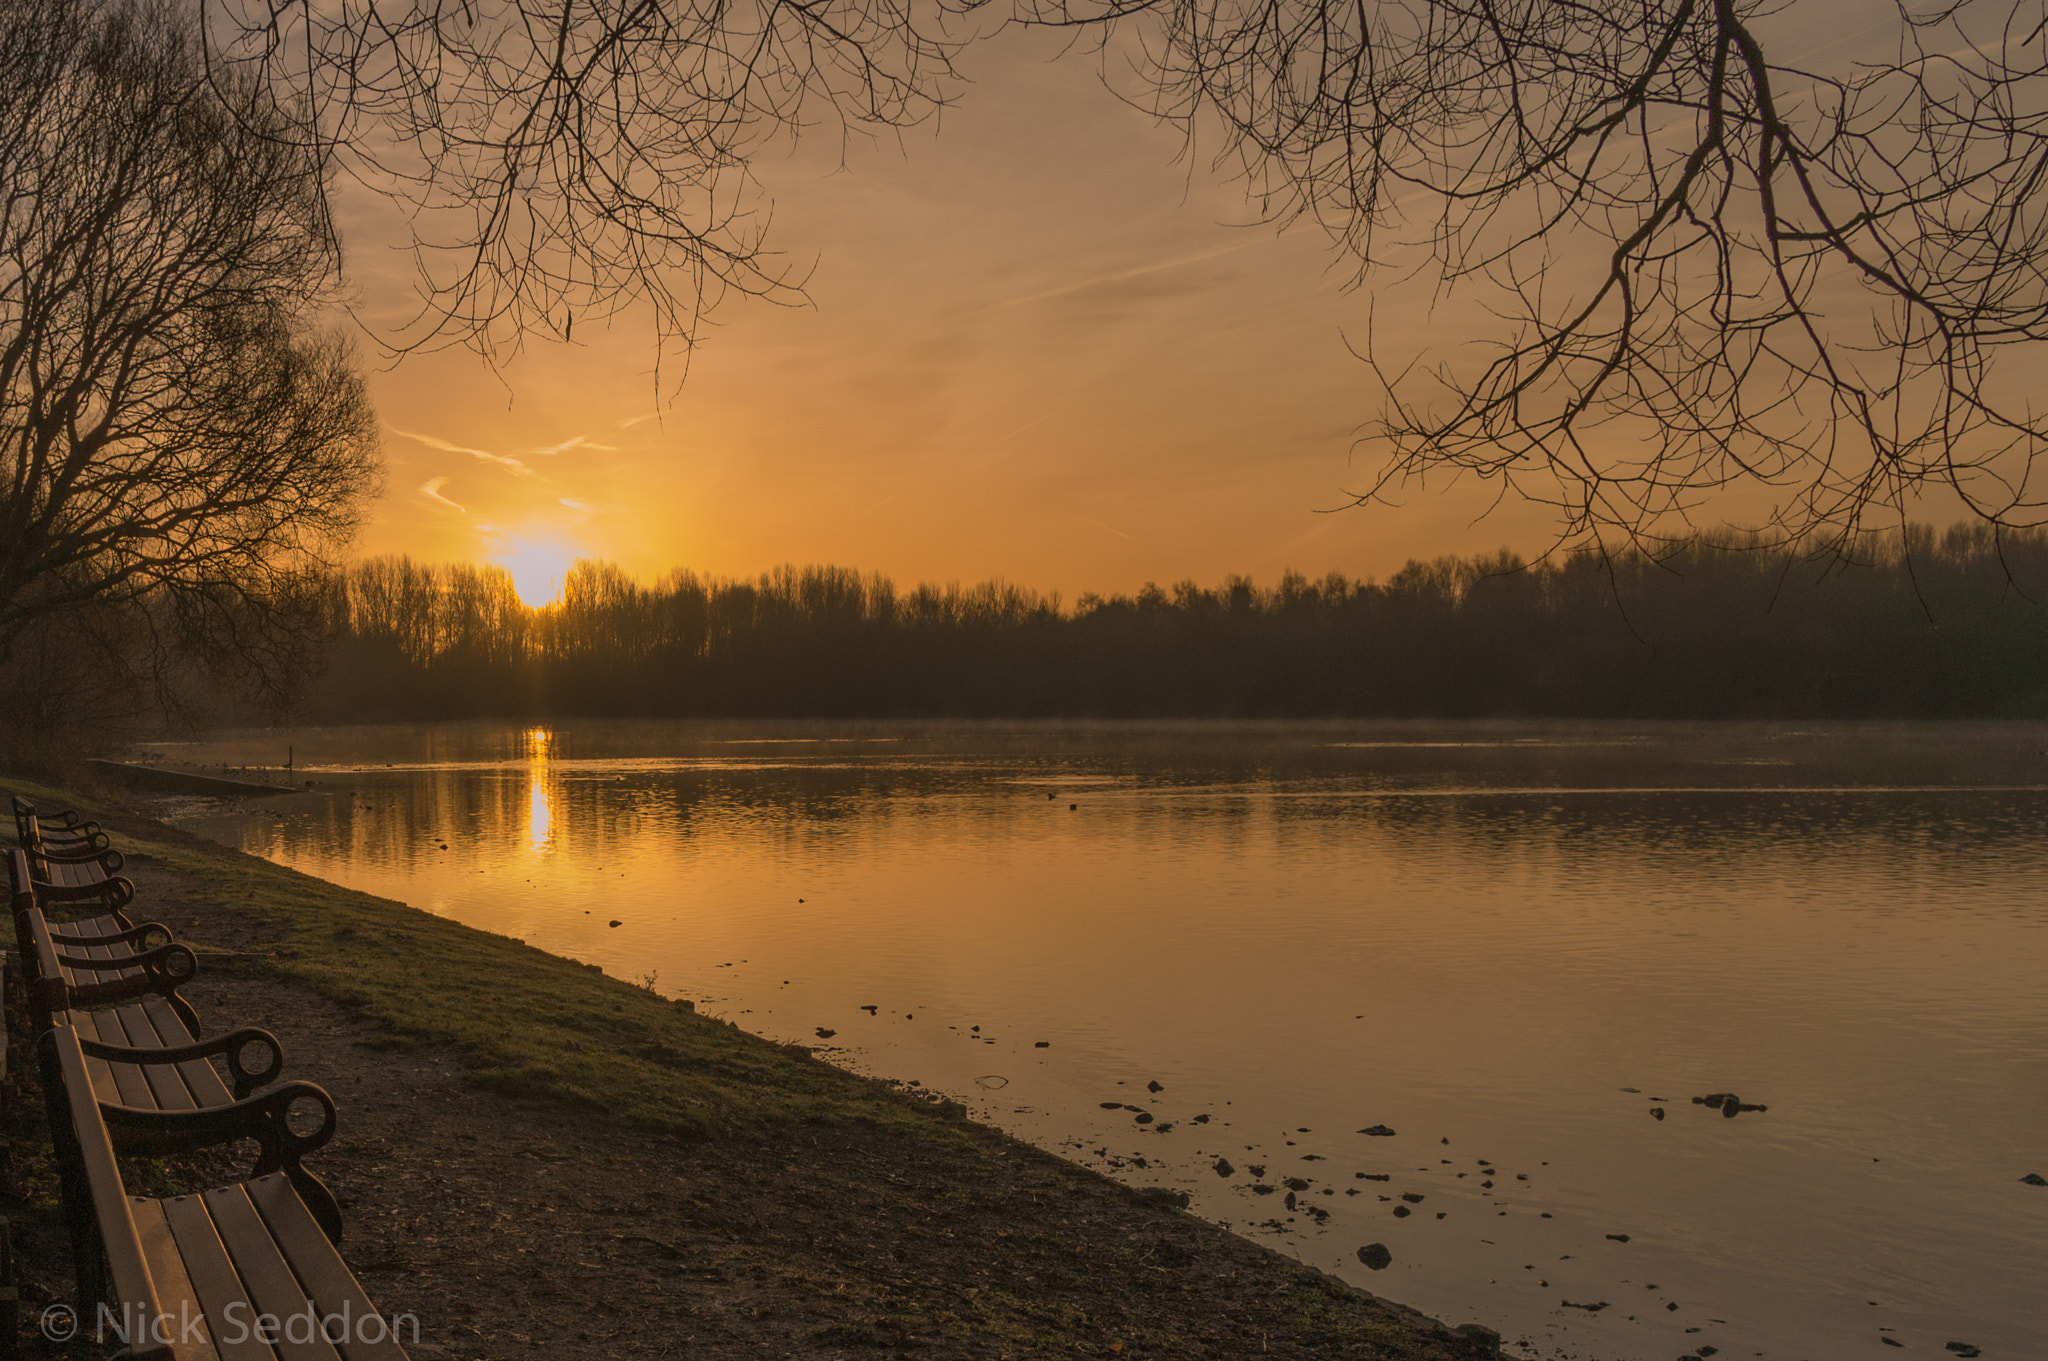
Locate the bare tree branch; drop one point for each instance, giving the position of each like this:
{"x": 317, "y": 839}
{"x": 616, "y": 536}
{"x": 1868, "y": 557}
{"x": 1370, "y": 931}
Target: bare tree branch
{"x": 566, "y": 158}
{"x": 1822, "y": 282}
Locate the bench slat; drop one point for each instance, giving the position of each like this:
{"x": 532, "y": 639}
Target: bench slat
{"x": 272, "y": 1286}
{"x": 321, "y": 1271}
{"x": 169, "y": 1030}
{"x": 213, "y": 1279}
{"x": 174, "y": 1086}
{"x": 173, "y": 1285}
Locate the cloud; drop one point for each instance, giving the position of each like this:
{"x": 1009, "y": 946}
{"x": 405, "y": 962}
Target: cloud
{"x": 1134, "y": 283}
{"x": 431, "y": 489}
{"x": 436, "y": 442}
{"x": 587, "y": 507}
{"x": 577, "y": 442}
{"x": 631, "y": 421}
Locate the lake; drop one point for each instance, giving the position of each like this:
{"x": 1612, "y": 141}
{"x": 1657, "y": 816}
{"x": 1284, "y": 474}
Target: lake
{"x": 1524, "y": 949}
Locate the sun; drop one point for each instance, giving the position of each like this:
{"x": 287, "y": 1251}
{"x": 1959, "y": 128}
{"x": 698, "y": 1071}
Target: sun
{"x": 538, "y": 568}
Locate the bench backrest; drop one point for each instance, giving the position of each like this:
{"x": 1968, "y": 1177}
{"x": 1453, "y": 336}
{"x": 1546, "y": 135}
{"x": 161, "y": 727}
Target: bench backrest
{"x": 132, "y": 1289}
{"x": 21, "y": 889}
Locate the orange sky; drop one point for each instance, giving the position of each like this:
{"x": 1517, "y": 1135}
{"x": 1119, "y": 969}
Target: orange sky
{"x": 1039, "y": 348}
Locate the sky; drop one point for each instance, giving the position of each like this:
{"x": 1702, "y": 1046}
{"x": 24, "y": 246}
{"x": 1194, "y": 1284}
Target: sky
{"x": 1041, "y": 344}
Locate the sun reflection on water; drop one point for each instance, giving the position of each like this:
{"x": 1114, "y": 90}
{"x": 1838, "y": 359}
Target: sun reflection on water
{"x": 540, "y": 816}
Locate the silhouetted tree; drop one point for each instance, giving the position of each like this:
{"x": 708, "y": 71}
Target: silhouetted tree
{"x": 1927, "y": 626}
{"x": 179, "y": 446}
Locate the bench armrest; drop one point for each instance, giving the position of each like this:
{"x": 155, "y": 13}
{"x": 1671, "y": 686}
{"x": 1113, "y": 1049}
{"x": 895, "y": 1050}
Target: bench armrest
{"x": 113, "y": 862}
{"x": 266, "y": 1118}
{"x": 134, "y": 935}
{"x": 169, "y": 960}
{"x": 232, "y": 1046}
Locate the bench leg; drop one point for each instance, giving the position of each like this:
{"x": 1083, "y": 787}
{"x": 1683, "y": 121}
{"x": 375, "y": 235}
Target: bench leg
{"x": 10, "y": 1298}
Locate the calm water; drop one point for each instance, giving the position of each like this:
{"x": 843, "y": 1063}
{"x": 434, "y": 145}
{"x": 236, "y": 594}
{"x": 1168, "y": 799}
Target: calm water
{"x": 1512, "y": 945}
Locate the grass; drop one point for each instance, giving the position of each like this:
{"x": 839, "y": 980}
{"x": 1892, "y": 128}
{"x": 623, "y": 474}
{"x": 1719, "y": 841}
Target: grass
{"x": 527, "y": 1023}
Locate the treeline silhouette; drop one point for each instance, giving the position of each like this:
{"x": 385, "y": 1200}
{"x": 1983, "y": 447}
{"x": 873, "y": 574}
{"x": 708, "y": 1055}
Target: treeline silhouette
{"x": 1923, "y": 625}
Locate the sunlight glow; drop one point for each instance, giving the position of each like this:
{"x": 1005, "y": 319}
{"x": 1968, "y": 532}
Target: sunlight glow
{"x": 538, "y": 567}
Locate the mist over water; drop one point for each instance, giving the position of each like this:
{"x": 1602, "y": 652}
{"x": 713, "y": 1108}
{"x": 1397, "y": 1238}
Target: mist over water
{"x": 1510, "y": 944}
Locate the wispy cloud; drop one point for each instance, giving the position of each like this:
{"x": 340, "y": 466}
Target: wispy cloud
{"x": 431, "y": 489}
{"x": 642, "y": 418}
{"x": 587, "y": 507}
{"x": 1124, "y": 276}
{"x": 436, "y": 442}
{"x": 577, "y": 442}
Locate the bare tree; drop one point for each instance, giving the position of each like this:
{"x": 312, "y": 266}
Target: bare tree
{"x": 178, "y": 445}
{"x": 566, "y": 157}
{"x": 1715, "y": 266}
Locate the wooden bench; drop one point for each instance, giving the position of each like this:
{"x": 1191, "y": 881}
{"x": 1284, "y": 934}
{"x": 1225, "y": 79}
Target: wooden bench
{"x": 60, "y": 829}
{"x": 192, "y": 1277}
{"x": 76, "y": 876}
{"x": 103, "y": 947}
{"x": 149, "y": 1065}
{"x": 131, "y": 1001}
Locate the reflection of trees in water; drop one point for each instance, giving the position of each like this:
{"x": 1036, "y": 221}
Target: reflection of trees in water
{"x": 1295, "y": 792}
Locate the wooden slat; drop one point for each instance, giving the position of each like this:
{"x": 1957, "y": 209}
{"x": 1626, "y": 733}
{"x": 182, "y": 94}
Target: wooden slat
{"x": 166, "y": 1019}
{"x": 184, "y": 1314}
{"x": 167, "y": 1082}
{"x": 213, "y": 1278}
{"x": 202, "y": 1078}
{"x": 105, "y": 1027}
{"x": 272, "y": 1285}
{"x": 320, "y": 1269}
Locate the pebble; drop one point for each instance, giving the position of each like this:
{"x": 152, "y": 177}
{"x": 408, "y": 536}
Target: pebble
{"x": 1402, "y": 1212}
{"x": 825, "y": 1034}
{"x": 616, "y": 922}
{"x": 1619, "y": 1237}
{"x": 1154, "y": 1087}
{"x": 1378, "y": 1131}
{"x": 1964, "y": 1349}
{"x": 2034, "y": 1179}
{"x": 1376, "y": 1256}
{"x": 1142, "y": 1118}
{"x": 1223, "y": 1167}
{"x": 1656, "y": 1112}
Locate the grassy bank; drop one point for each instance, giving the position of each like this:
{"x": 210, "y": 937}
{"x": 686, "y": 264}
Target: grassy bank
{"x": 527, "y": 1023}
{"x": 790, "y": 1206}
